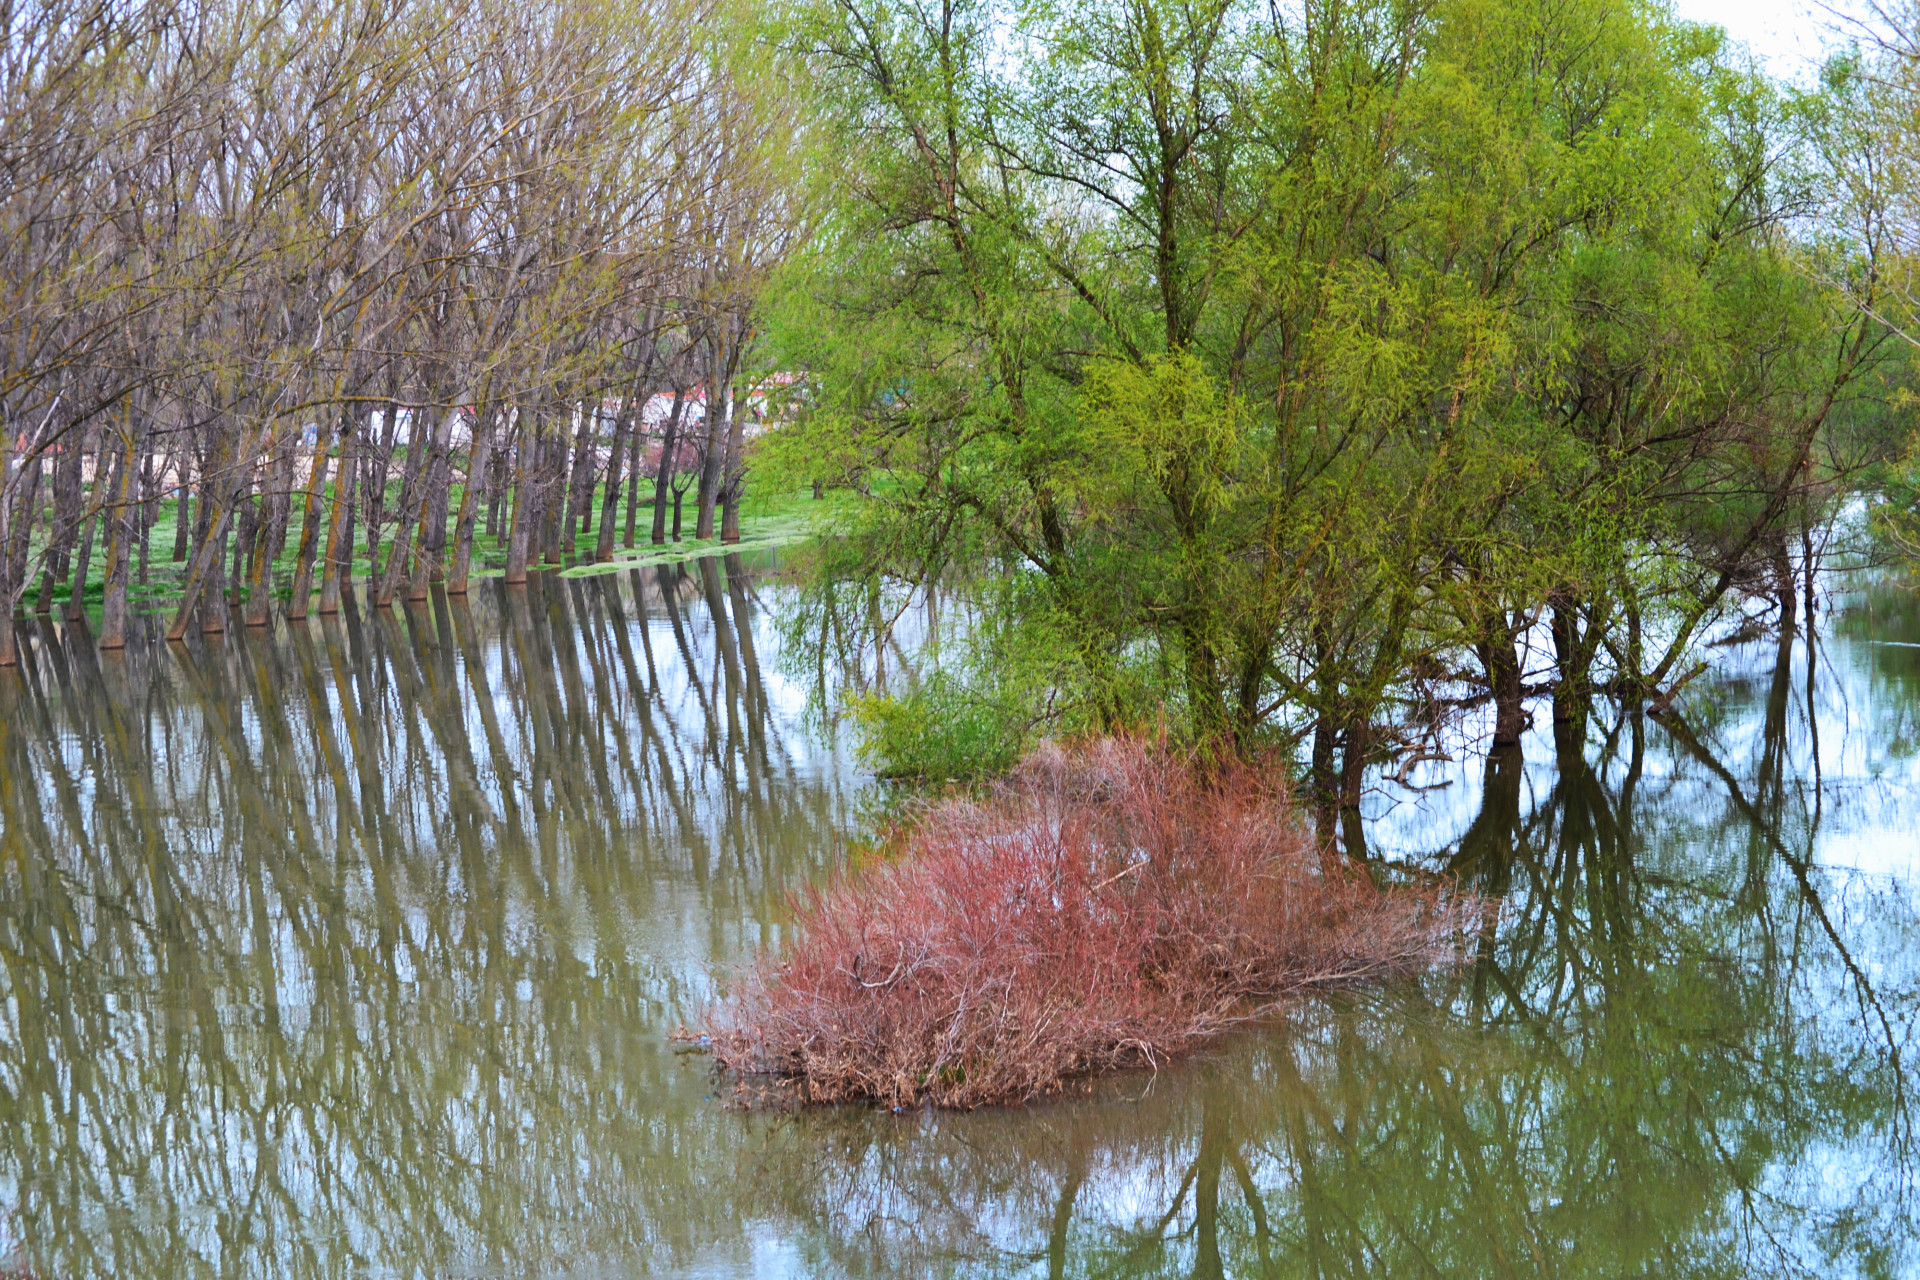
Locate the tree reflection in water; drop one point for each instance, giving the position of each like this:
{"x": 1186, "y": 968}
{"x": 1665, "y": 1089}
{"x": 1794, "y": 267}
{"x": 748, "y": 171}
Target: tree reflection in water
{"x": 1684, "y": 1050}
{"x": 351, "y": 949}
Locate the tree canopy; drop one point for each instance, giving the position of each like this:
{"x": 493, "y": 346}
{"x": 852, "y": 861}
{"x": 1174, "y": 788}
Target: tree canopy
{"x": 1278, "y": 371}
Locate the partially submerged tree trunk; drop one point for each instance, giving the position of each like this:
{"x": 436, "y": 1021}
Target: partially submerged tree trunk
{"x": 579, "y": 514}
{"x": 1501, "y": 663}
{"x": 1574, "y": 649}
{"x": 270, "y": 536}
{"x": 610, "y": 504}
{"x": 57, "y": 563}
{"x": 83, "y": 562}
{"x": 374, "y": 463}
{"x": 663, "y": 474}
{"x": 431, "y": 539}
{"x": 119, "y": 515}
{"x": 336, "y": 571}
{"x": 219, "y": 494}
{"x": 440, "y": 495}
{"x": 1323, "y": 788}
{"x": 553, "y": 499}
{"x": 16, "y": 527}
{"x": 310, "y": 539}
{"x": 183, "y": 502}
{"x": 736, "y": 470}
{"x": 1356, "y": 742}
{"x": 246, "y": 523}
{"x": 1786, "y": 585}
{"x": 471, "y": 498}
{"x": 636, "y": 442}
{"x": 406, "y": 515}
{"x": 149, "y": 503}
{"x": 719, "y": 414}
{"x": 520, "y": 532}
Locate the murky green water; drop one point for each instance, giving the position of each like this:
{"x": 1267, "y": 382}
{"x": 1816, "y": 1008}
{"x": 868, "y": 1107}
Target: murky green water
{"x": 353, "y": 950}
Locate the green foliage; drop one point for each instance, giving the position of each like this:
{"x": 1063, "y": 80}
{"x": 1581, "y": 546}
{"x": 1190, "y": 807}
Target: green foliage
{"x": 1897, "y": 519}
{"x": 1232, "y": 371}
{"x": 940, "y": 731}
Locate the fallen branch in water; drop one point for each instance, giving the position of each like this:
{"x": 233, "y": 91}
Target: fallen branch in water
{"x": 1105, "y": 907}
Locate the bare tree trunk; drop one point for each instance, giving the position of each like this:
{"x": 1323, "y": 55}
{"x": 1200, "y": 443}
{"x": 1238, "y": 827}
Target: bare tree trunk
{"x": 636, "y": 442}
{"x": 610, "y": 505}
{"x": 405, "y": 516}
{"x": 149, "y": 501}
{"x": 203, "y": 571}
{"x": 375, "y": 463}
{"x": 270, "y": 536}
{"x": 309, "y": 529}
{"x": 1322, "y": 787}
{"x": 246, "y": 527}
{"x": 717, "y": 423}
{"x": 213, "y": 611}
{"x": 471, "y": 498}
{"x": 83, "y": 563}
{"x": 734, "y": 471}
{"x": 119, "y": 514}
{"x": 579, "y": 490}
{"x": 219, "y": 494}
{"x": 182, "y": 522}
{"x": 679, "y": 492}
{"x": 337, "y": 572}
{"x": 1786, "y": 587}
{"x": 663, "y": 474}
{"x": 1356, "y": 742}
{"x": 16, "y": 528}
{"x": 521, "y": 533}
{"x": 200, "y": 534}
{"x": 57, "y": 564}
{"x": 553, "y": 505}
{"x": 586, "y": 470}
{"x": 9, "y": 645}
{"x": 441, "y": 496}
{"x": 1573, "y": 656}
{"x": 431, "y": 540}
{"x": 26, "y": 515}
{"x": 497, "y": 490}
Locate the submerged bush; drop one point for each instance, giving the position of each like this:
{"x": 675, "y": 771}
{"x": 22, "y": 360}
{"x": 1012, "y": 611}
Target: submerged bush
{"x": 1103, "y": 907}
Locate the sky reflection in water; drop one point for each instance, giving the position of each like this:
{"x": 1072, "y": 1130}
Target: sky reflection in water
{"x": 352, "y": 950}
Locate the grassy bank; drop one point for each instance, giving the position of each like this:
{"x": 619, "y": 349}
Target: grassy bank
{"x": 766, "y": 521}
{"x": 774, "y": 521}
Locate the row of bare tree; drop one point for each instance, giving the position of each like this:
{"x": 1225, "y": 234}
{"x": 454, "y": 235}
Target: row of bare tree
{"x": 367, "y": 272}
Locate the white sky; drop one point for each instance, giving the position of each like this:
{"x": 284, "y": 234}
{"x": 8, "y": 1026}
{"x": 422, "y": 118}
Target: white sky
{"x": 1788, "y": 35}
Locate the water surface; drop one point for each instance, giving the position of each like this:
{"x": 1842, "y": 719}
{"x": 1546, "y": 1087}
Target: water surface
{"x": 352, "y": 949}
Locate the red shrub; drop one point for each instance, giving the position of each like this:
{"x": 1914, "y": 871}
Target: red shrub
{"x": 1105, "y": 907}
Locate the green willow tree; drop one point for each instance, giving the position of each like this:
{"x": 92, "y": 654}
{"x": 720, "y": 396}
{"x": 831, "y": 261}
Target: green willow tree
{"x": 1249, "y": 369}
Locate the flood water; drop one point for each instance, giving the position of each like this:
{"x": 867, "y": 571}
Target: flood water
{"x": 353, "y": 949}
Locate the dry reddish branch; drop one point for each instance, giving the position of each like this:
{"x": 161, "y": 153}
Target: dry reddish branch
{"x": 1106, "y": 907}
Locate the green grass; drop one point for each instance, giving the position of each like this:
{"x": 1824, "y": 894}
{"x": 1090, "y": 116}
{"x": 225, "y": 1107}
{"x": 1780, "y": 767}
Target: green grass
{"x": 766, "y": 521}
{"x": 773, "y": 521}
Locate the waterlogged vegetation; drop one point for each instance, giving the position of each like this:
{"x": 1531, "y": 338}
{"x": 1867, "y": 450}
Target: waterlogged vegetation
{"x": 1107, "y": 905}
{"x": 1321, "y": 388}
{"x": 1290, "y": 632}
{"x": 766, "y": 521}
{"x": 272, "y": 270}
{"x": 1300, "y": 378}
